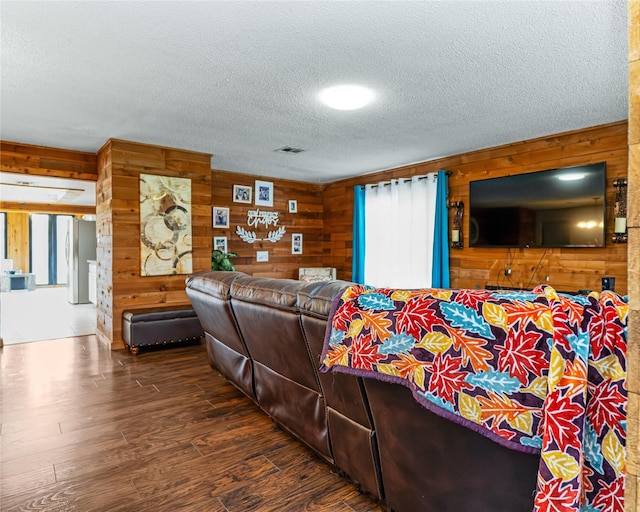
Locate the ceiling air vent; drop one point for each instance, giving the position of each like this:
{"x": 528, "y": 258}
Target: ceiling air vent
{"x": 289, "y": 149}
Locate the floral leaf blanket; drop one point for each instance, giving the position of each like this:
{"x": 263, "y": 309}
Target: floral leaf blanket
{"x": 539, "y": 372}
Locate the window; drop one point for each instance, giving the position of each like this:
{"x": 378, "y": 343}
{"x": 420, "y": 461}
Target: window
{"x": 48, "y": 241}
{"x": 39, "y": 246}
{"x": 400, "y": 233}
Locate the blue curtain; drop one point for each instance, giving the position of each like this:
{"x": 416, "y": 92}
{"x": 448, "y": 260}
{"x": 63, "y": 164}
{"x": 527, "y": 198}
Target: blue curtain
{"x": 358, "y": 247}
{"x": 440, "y": 270}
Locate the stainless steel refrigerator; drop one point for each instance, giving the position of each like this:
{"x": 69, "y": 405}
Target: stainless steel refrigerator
{"x": 81, "y": 247}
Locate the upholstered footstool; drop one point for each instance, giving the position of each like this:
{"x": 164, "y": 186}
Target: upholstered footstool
{"x": 159, "y": 326}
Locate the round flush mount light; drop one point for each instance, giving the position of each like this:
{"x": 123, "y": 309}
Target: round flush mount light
{"x": 346, "y": 97}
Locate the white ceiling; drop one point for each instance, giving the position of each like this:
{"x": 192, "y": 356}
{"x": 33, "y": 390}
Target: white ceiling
{"x": 240, "y": 79}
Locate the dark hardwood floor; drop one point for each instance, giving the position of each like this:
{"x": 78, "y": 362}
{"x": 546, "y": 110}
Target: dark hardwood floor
{"x": 85, "y": 429}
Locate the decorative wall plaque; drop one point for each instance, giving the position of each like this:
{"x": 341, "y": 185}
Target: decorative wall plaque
{"x": 255, "y": 218}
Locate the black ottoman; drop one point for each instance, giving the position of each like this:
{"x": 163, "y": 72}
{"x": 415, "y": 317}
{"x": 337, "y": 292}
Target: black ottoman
{"x": 159, "y": 326}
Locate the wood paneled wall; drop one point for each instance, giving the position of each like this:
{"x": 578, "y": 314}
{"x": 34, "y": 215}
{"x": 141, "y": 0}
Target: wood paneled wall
{"x": 18, "y": 240}
{"x": 59, "y": 209}
{"x": 568, "y": 269}
{"x": 120, "y": 284}
{"x": 308, "y": 221}
{"x": 45, "y": 161}
{"x": 324, "y": 216}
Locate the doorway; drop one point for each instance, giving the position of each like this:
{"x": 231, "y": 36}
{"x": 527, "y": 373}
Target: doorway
{"x": 41, "y": 312}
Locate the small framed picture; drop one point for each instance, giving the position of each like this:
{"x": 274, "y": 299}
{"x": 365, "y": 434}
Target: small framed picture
{"x": 262, "y": 256}
{"x": 296, "y": 243}
{"x": 220, "y": 217}
{"x": 241, "y": 194}
{"x": 220, "y": 243}
{"x": 293, "y": 206}
{"x": 264, "y": 193}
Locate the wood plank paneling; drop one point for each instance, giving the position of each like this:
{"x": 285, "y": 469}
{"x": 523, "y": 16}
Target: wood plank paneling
{"x": 120, "y": 285}
{"x": 61, "y": 209}
{"x": 568, "y": 269}
{"x": 324, "y": 216}
{"x": 308, "y": 220}
{"x": 18, "y": 240}
{"x": 45, "y": 161}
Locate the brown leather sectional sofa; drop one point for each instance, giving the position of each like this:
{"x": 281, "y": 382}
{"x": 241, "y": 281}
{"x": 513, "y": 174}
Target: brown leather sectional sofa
{"x": 266, "y": 336}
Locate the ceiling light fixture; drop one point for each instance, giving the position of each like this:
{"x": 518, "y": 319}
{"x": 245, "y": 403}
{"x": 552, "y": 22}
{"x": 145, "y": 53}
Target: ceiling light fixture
{"x": 347, "y": 97}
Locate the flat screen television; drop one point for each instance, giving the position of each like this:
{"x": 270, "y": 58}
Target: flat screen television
{"x": 555, "y": 208}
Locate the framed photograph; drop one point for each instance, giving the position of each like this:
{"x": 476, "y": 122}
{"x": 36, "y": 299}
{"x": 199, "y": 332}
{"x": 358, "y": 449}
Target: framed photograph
{"x": 241, "y": 194}
{"x": 293, "y": 206}
{"x": 220, "y": 217}
{"x": 296, "y": 243}
{"x": 220, "y": 243}
{"x": 264, "y": 193}
{"x": 262, "y": 256}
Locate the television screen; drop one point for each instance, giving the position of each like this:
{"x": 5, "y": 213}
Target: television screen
{"x": 555, "y": 208}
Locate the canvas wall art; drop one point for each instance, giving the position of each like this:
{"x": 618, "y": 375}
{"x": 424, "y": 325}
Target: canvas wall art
{"x": 165, "y": 225}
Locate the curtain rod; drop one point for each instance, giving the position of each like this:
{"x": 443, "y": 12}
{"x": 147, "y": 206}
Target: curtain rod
{"x": 424, "y": 177}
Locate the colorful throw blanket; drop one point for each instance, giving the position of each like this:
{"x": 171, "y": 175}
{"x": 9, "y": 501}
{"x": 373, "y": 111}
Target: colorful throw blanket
{"x": 538, "y": 372}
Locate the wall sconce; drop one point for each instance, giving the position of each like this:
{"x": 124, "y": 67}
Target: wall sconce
{"x": 456, "y": 232}
{"x": 620, "y": 212}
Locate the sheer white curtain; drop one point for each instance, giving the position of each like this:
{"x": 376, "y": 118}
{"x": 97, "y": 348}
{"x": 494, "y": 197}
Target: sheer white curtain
{"x": 399, "y": 232}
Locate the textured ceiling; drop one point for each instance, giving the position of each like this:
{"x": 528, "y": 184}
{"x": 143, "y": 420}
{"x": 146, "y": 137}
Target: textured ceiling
{"x": 241, "y": 79}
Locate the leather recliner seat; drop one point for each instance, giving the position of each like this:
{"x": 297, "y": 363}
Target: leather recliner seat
{"x": 265, "y": 335}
